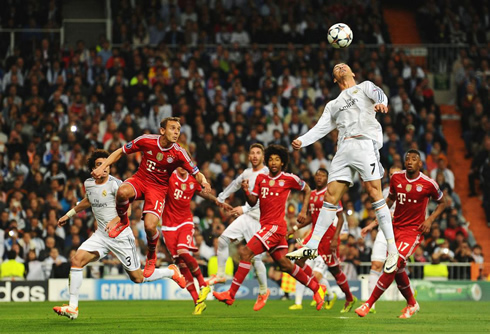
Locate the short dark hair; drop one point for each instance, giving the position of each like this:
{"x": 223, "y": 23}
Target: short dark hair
{"x": 321, "y": 169}
{"x": 96, "y": 155}
{"x": 257, "y": 145}
{"x": 279, "y": 150}
{"x": 414, "y": 151}
{"x": 163, "y": 123}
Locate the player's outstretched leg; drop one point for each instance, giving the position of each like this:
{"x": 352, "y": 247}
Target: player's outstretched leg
{"x": 191, "y": 263}
{"x": 325, "y": 219}
{"x": 123, "y": 196}
{"x": 228, "y": 297}
{"x": 261, "y": 272}
{"x": 151, "y": 256}
{"x": 384, "y": 219}
{"x": 71, "y": 310}
{"x": 223, "y": 254}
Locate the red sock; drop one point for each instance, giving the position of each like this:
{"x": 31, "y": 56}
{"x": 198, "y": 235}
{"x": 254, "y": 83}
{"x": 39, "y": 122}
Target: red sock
{"x": 307, "y": 269}
{"x": 403, "y": 282}
{"x": 383, "y": 283}
{"x": 300, "y": 275}
{"x": 122, "y": 210}
{"x": 189, "y": 279}
{"x": 193, "y": 267}
{"x": 152, "y": 243}
{"x": 344, "y": 285}
{"x": 241, "y": 273}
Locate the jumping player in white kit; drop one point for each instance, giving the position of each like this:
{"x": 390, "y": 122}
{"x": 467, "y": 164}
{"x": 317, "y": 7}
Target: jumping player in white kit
{"x": 353, "y": 113}
{"x": 101, "y": 196}
{"x": 245, "y": 226}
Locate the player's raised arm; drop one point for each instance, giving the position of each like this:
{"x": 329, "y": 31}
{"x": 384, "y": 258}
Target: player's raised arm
{"x": 377, "y": 95}
{"x": 250, "y": 197}
{"x": 83, "y": 205}
{"x": 303, "y": 214}
{"x": 322, "y": 128}
{"x": 206, "y": 187}
{"x": 115, "y": 156}
{"x": 211, "y": 197}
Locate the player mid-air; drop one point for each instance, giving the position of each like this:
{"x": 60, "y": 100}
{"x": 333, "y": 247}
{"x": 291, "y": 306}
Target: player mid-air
{"x": 273, "y": 190}
{"x": 245, "y": 225}
{"x": 411, "y": 190}
{"x": 328, "y": 248}
{"x": 178, "y": 231}
{"x": 161, "y": 155}
{"x": 353, "y": 113}
{"x": 101, "y": 196}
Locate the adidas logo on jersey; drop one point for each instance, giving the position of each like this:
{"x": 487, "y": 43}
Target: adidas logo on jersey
{"x": 150, "y": 152}
{"x": 399, "y": 186}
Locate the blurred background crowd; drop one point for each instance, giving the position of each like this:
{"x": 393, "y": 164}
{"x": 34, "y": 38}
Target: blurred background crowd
{"x": 266, "y": 79}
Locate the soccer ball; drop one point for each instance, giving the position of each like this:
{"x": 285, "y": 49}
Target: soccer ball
{"x": 340, "y": 35}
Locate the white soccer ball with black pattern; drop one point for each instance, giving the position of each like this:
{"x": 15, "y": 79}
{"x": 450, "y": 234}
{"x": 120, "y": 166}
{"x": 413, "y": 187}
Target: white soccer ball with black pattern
{"x": 340, "y": 35}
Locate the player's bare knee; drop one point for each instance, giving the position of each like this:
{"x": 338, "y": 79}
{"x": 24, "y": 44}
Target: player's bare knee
{"x": 136, "y": 277}
{"x": 246, "y": 254}
{"x": 301, "y": 262}
{"x": 318, "y": 275}
{"x": 334, "y": 270}
{"x": 377, "y": 266}
{"x": 124, "y": 193}
{"x": 76, "y": 262}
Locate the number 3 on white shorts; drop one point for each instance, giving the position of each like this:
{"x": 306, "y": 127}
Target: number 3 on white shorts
{"x": 403, "y": 246}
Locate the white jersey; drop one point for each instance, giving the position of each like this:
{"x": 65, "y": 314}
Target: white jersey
{"x": 352, "y": 113}
{"x": 102, "y": 198}
{"x": 250, "y": 175}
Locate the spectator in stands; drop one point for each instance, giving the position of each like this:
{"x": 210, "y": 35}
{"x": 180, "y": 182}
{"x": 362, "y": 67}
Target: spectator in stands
{"x": 12, "y": 269}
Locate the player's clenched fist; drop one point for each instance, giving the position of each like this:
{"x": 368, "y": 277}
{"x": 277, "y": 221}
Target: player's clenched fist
{"x": 245, "y": 185}
{"x": 296, "y": 144}
{"x": 381, "y": 108}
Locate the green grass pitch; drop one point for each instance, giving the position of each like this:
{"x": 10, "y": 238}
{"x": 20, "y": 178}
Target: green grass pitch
{"x": 175, "y": 317}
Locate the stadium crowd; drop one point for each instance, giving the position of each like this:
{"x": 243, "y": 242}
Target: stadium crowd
{"x": 59, "y": 105}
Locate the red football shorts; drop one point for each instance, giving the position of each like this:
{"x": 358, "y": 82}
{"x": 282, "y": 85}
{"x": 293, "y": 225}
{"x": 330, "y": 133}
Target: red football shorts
{"x": 407, "y": 241}
{"x": 266, "y": 239}
{"x": 328, "y": 257}
{"x": 153, "y": 195}
{"x": 181, "y": 238}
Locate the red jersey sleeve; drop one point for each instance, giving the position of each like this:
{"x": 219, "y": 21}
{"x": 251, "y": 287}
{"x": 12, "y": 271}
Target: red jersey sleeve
{"x": 187, "y": 163}
{"x": 295, "y": 182}
{"x": 435, "y": 191}
{"x": 135, "y": 145}
{"x": 258, "y": 181}
{"x": 392, "y": 187}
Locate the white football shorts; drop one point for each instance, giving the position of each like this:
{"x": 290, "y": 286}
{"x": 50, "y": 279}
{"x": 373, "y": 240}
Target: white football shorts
{"x": 356, "y": 155}
{"x": 123, "y": 247}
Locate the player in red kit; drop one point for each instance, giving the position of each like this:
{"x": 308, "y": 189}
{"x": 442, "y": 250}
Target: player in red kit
{"x": 273, "y": 190}
{"x": 161, "y": 155}
{"x": 178, "y": 230}
{"x": 411, "y": 190}
{"x": 328, "y": 247}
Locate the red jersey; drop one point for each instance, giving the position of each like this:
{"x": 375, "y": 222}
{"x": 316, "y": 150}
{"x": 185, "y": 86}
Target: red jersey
{"x": 177, "y": 208}
{"x": 273, "y": 193}
{"x": 158, "y": 163}
{"x": 412, "y": 197}
{"x": 316, "y": 204}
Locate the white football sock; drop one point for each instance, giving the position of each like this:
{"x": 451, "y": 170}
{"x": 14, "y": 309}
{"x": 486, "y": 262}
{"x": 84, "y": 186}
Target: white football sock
{"x": 325, "y": 219}
{"x": 261, "y": 272}
{"x": 300, "y": 290}
{"x": 159, "y": 273}
{"x": 384, "y": 220}
{"x": 372, "y": 280}
{"x": 223, "y": 254}
{"x": 76, "y": 278}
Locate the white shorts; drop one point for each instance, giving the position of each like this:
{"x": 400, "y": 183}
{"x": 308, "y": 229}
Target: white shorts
{"x": 356, "y": 155}
{"x": 244, "y": 227}
{"x": 122, "y": 246}
{"x": 380, "y": 247}
{"x": 317, "y": 264}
